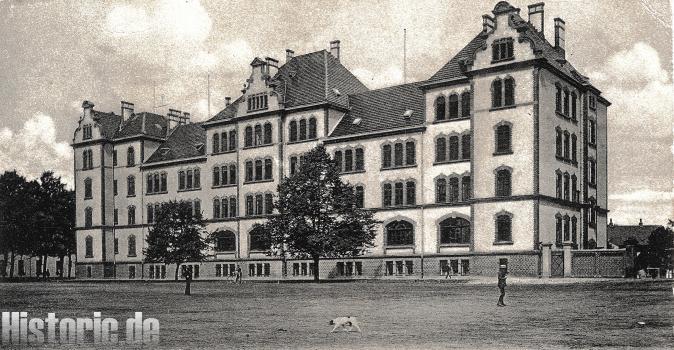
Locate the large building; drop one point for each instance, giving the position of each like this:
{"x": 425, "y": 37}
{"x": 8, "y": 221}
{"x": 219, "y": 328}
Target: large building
{"x": 498, "y": 154}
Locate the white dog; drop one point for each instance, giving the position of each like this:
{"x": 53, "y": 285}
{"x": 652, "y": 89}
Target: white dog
{"x": 347, "y": 323}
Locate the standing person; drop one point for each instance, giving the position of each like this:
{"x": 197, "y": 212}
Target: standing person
{"x": 187, "y": 274}
{"x": 238, "y": 274}
{"x": 502, "y": 275}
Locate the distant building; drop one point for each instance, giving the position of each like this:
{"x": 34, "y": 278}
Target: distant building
{"x": 618, "y": 234}
{"x": 501, "y": 150}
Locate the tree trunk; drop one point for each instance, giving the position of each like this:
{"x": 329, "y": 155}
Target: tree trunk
{"x": 187, "y": 286}
{"x": 177, "y": 268}
{"x": 316, "y": 277}
{"x": 44, "y": 267}
{"x": 11, "y": 266}
{"x": 69, "y": 263}
{"x": 4, "y": 264}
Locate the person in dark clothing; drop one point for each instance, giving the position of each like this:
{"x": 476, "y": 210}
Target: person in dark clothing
{"x": 238, "y": 274}
{"x": 502, "y": 275}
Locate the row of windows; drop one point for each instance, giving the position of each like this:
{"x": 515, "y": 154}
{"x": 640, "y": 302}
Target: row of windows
{"x": 567, "y": 186}
{"x": 153, "y": 210}
{"x": 566, "y": 102}
{"x": 130, "y": 218}
{"x": 87, "y": 159}
{"x": 402, "y": 267}
{"x": 566, "y": 146}
{"x": 502, "y": 50}
{"x": 295, "y": 163}
{"x": 224, "y": 175}
{"x": 447, "y": 189}
{"x": 299, "y": 131}
{"x": 224, "y": 270}
{"x": 224, "y": 207}
{"x": 156, "y": 183}
{"x": 447, "y": 148}
{"x": 131, "y": 246}
{"x": 157, "y": 271}
{"x": 454, "y": 230}
{"x": 503, "y": 92}
{"x": 189, "y": 179}
{"x": 448, "y": 108}
{"x": 259, "y": 170}
{"x": 221, "y": 143}
{"x": 399, "y": 155}
{"x": 346, "y": 163}
{"x": 399, "y": 194}
{"x": 566, "y": 230}
{"x": 256, "y": 137}
{"x": 258, "y": 102}
{"x": 259, "y": 204}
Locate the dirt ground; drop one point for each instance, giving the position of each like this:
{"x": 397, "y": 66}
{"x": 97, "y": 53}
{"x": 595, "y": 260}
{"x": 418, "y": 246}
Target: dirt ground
{"x": 392, "y": 315}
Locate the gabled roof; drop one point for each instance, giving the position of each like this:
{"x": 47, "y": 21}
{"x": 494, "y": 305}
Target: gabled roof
{"x": 618, "y": 234}
{"x": 452, "y": 69}
{"x": 229, "y": 111}
{"x": 183, "y": 142}
{"x": 383, "y": 109}
{"x": 143, "y": 123}
{"x": 108, "y": 122}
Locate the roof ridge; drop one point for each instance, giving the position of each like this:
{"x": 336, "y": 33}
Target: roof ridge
{"x": 390, "y": 87}
{"x": 325, "y": 70}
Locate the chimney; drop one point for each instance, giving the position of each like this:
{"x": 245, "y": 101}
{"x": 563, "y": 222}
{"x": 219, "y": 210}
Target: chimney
{"x": 186, "y": 118}
{"x": 271, "y": 62}
{"x": 174, "y": 117}
{"x": 537, "y": 17}
{"x": 87, "y": 107}
{"x": 127, "y": 110}
{"x": 487, "y": 24}
{"x": 289, "y": 55}
{"x": 560, "y": 29}
{"x": 610, "y": 222}
{"x": 641, "y": 222}
{"x": 334, "y": 48}
{"x": 228, "y": 101}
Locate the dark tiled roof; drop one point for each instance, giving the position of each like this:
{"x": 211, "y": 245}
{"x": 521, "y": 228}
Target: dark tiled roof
{"x": 144, "y": 123}
{"x": 383, "y": 109}
{"x": 108, "y": 122}
{"x": 229, "y": 111}
{"x": 618, "y": 234}
{"x": 341, "y": 82}
{"x": 183, "y": 142}
{"x": 452, "y": 69}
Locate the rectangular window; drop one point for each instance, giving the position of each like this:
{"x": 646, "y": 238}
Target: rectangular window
{"x": 389, "y": 268}
{"x": 268, "y": 203}
{"x": 258, "y": 205}
{"x": 410, "y": 153}
{"x": 114, "y": 158}
{"x": 181, "y": 180}
{"x": 386, "y": 200}
{"x": 249, "y": 171}
{"x": 293, "y": 165}
{"x": 359, "y": 268}
{"x": 465, "y": 146}
{"x": 399, "y": 267}
{"x": 249, "y": 205}
{"x": 409, "y": 267}
{"x": 399, "y": 193}
{"x": 190, "y": 180}
{"x": 386, "y": 156}
{"x": 116, "y": 217}
{"x": 232, "y": 174}
{"x": 360, "y": 159}
{"x": 502, "y": 49}
{"x": 411, "y": 193}
{"x": 398, "y": 156}
{"x": 348, "y": 160}
{"x": 258, "y": 170}
{"x": 267, "y": 169}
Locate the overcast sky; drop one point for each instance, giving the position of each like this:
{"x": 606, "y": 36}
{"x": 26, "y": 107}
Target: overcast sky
{"x": 56, "y": 54}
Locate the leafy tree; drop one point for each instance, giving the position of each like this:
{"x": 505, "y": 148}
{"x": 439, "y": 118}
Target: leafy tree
{"x": 176, "y": 236}
{"x": 16, "y": 216}
{"x": 317, "y": 214}
{"x": 660, "y": 243}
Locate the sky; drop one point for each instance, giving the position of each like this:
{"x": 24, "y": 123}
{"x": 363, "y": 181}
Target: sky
{"x": 55, "y": 54}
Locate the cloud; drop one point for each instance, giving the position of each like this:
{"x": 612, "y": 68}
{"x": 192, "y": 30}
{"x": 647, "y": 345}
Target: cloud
{"x": 392, "y": 75}
{"x": 642, "y": 196}
{"x": 637, "y": 66}
{"x": 34, "y": 149}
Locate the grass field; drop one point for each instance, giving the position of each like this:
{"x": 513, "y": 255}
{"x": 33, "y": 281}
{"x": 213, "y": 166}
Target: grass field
{"x": 401, "y": 315}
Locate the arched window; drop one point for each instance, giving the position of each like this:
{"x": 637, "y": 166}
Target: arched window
{"x": 410, "y": 153}
{"x": 567, "y": 228}
{"x": 360, "y": 159}
{"x": 454, "y": 231}
{"x": 339, "y": 160}
{"x": 131, "y": 244}
{"x": 558, "y": 143}
{"x": 130, "y": 157}
{"x": 163, "y": 187}
{"x": 496, "y": 93}
{"x": 268, "y": 203}
{"x": 312, "y": 128}
{"x": 574, "y": 188}
{"x": 465, "y": 104}
{"x": 249, "y": 170}
{"x": 225, "y": 241}
{"x": 303, "y": 129}
{"x": 509, "y": 91}
{"x": 131, "y": 185}
{"x": 232, "y": 174}
{"x": 348, "y": 160}
{"x": 466, "y": 189}
{"x": 257, "y": 240}
{"x": 267, "y": 133}
{"x": 216, "y": 176}
{"x": 440, "y": 108}
{"x": 156, "y": 183}
{"x": 89, "y": 247}
{"x": 503, "y": 137}
{"x": 465, "y": 146}
{"x": 411, "y": 192}
{"x": 232, "y": 140}
{"x": 386, "y": 156}
{"x": 258, "y": 170}
{"x": 293, "y": 131}
{"x": 88, "y": 217}
{"x": 503, "y": 228}
{"x": 259, "y": 204}
{"x": 399, "y": 193}
{"x": 441, "y": 190}
{"x": 558, "y": 230}
{"x": 386, "y": 196}
{"x": 250, "y": 208}
{"x": 258, "y": 135}
{"x": 574, "y": 146}
{"x": 399, "y": 233}
{"x": 398, "y": 154}
{"x": 232, "y": 207}
{"x": 360, "y": 196}
{"x": 574, "y": 106}
{"x": 558, "y": 98}
{"x": 453, "y": 148}
{"x": 453, "y": 189}
{"x": 503, "y": 183}
{"x": 453, "y": 106}
{"x": 268, "y": 169}
{"x": 440, "y": 149}
{"x": 223, "y": 142}
{"x": 574, "y": 231}
{"x": 87, "y": 189}
{"x": 91, "y": 159}
{"x": 216, "y": 143}
{"x": 567, "y": 145}
{"x": 248, "y": 137}
{"x": 567, "y": 186}
{"x": 131, "y": 215}
{"x": 559, "y": 185}
{"x": 566, "y": 102}
{"x": 216, "y": 208}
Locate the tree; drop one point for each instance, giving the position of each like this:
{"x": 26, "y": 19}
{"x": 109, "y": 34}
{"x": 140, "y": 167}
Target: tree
{"x": 17, "y": 212}
{"x": 176, "y": 236}
{"x": 317, "y": 214}
{"x": 660, "y": 244}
